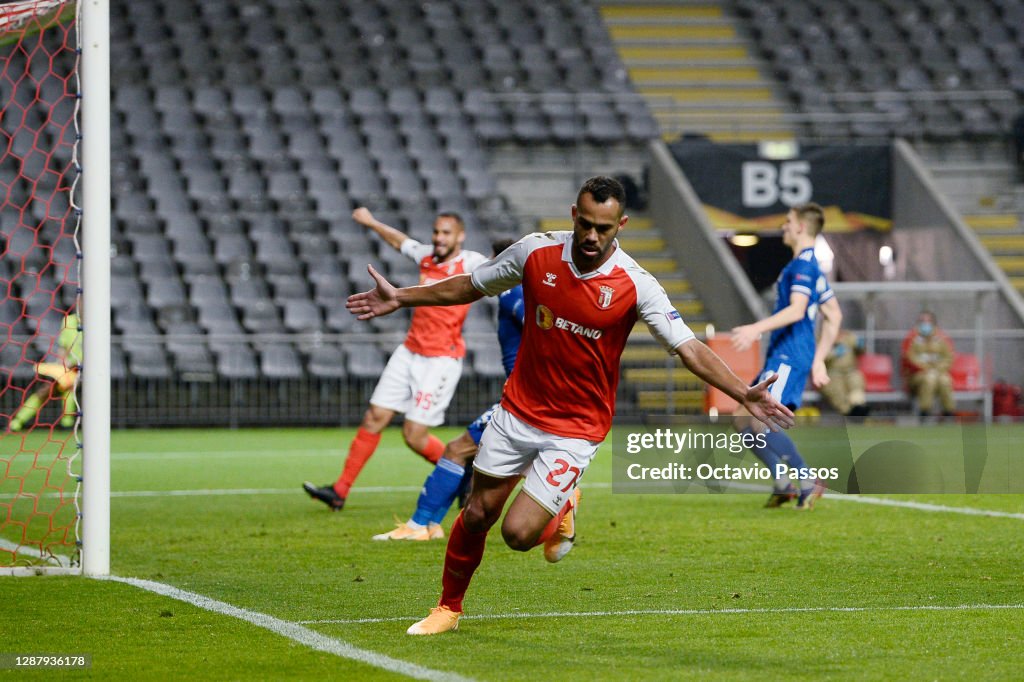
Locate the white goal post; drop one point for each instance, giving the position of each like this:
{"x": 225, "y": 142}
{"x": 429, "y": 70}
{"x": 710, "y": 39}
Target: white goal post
{"x": 55, "y": 256}
{"x": 94, "y": 66}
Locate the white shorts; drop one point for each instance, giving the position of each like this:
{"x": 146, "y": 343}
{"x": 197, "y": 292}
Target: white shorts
{"x": 553, "y": 465}
{"x": 418, "y": 386}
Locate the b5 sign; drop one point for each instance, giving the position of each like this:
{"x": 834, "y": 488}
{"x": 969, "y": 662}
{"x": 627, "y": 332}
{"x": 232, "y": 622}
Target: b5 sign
{"x": 766, "y": 183}
{"x": 744, "y": 190}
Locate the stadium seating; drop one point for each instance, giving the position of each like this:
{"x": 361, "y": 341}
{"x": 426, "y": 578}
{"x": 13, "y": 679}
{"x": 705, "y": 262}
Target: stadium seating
{"x": 923, "y": 69}
{"x": 241, "y": 159}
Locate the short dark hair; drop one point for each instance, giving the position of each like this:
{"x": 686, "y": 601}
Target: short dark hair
{"x": 812, "y": 214}
{"x": 454, "y": 216}
{"x": 502, "y": 243}
{"x": 603, "y": 188}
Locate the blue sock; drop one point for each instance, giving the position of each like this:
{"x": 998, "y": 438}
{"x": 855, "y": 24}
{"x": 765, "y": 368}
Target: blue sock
{"x": 463, "y": 487}
{"x": 440, "y": 488}
{"x": 778, "y": 448}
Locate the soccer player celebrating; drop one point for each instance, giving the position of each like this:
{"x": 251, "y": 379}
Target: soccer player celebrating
{"x": 421, "y": 376}
{"x": 801, "y": 291}
{"x": 450, "y": 477}
{"x": 583, "y": 295}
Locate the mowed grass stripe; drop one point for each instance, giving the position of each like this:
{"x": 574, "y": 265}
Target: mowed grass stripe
{"x": 294, "y": 631}
{"x": 287, "y": 556}
{"x": 684, "y": 612}
{"x": 595, "y": 485}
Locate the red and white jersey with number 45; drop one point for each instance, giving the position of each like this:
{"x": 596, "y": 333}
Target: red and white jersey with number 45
{"x": 437, "y": 330}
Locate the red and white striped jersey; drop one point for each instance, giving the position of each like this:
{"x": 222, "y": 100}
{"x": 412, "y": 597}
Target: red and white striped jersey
{"x": 576, "y": 328}
{"x": 436, "y": 331}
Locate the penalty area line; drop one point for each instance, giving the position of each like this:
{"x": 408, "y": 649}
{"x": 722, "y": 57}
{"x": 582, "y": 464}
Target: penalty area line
{"x": 683, "y": 612}
{"x": 294, "y": 631}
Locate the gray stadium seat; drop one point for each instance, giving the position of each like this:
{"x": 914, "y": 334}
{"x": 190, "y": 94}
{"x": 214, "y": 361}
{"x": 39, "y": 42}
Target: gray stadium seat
{"x": 302, "y": 316}
{"x": 327, "y": 361}
{"x": 280, "y": 361}
{"x": 364, "y": 362}
{"x": 236, "y": 361}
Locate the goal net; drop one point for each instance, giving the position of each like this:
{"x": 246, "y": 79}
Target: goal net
{"x": 40, "y": 265}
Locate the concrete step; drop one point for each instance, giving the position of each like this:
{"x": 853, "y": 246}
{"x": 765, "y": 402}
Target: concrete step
{"x": 643, "y": 352}
{"x": 658, "y": 265}
{"x": 678, "y": 376}
{"x": 993, "y": 221}
{"x": 675, "y": 287}
{"x": 694, "y": 73}
{"x": 660, "y": 400}
{"x": 654, "y": 11}
{"x": 666, "y": 53}
{"x": 720, "y": 93}
{"x": 644, "y": 243}
{"x": 682, "y": 31}
{"x": 1008, "y": 244}
{"x": 660, "y": 42}
{"x": 711, "y": 109}
{"x": 1011, "y": 265}
{"x": 689, "y": 308}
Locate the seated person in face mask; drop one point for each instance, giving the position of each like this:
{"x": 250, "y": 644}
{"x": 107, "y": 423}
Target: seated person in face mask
{"x": 845, "y": 391}
{"x": 927, "y": 355}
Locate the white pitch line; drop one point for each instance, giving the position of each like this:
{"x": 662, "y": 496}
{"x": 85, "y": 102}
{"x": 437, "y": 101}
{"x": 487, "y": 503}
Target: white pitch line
{"x": 681, "y": 612}
{"x": 207, "y": 455}
{"x": 925, "y": 506}
{"x": 215, "y": 492}
{"x": 32, "y": 552}
{"x": 295, "y": 632}
{"x": 200, "y": 493}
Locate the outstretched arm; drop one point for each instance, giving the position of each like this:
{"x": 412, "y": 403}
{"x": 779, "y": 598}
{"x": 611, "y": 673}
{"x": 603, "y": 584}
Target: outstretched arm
{"x": 386, "y": 298}
{"x": 393, "y": 237}
{"x": 757, "y": 400}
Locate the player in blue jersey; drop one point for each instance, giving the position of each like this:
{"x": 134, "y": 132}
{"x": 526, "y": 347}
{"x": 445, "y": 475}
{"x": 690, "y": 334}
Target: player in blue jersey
{"x": 802, "y": 292}
{"x": 453, "y": 471}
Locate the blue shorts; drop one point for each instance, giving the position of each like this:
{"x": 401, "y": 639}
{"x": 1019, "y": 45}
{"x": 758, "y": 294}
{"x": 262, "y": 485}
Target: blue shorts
{"x": 476, "y": 429}
{"x": 788, "y": 389}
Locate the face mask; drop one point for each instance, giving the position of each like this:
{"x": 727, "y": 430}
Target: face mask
{"x": 839, "y": 350}
{"x": 925, "y": 328}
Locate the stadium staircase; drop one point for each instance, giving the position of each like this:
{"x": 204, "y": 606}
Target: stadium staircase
{"x": 695, "y": 69}
{"x": 1002, "y": 233}
{"x": 981, "y": 183}
{"x": 651, "y": 379}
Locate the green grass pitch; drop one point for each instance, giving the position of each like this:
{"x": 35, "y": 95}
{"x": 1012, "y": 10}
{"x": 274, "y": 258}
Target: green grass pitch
{"x": 659, "y": 587}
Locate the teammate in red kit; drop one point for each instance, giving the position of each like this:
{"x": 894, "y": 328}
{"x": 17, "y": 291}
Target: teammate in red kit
{"x": 421, "y": 376}
{"x": 583, "y": 295}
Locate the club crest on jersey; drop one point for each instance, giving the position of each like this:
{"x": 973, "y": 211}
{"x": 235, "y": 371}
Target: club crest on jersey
{"x": 549, "y": 279}
{"x": 604, "y": 298}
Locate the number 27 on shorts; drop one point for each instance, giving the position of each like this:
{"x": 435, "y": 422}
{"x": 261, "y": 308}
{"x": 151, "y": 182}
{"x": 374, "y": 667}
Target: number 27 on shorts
{"x": 559, "y": 475}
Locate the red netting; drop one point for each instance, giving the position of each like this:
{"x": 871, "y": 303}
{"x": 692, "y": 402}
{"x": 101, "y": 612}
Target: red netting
{"x": 39, "y": 274}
